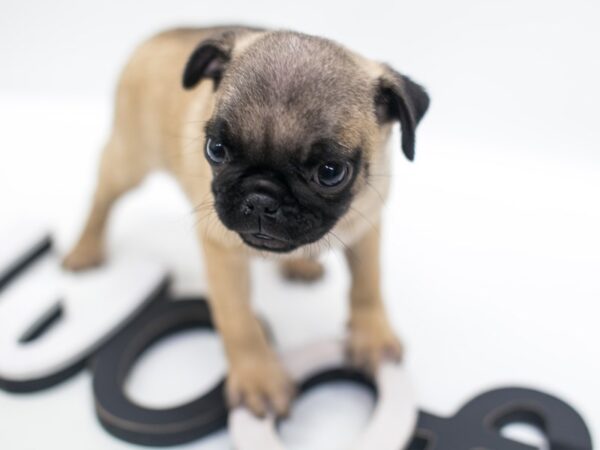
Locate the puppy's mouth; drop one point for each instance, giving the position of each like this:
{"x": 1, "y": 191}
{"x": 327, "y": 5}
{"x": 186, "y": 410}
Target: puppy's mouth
{"x": 264, "y": 241}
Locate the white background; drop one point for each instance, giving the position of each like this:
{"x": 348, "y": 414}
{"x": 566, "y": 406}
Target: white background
{"x": 492, "y": 253}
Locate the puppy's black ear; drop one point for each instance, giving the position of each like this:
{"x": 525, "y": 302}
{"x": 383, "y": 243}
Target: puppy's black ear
{"x": 400, "y": 98}
{"x": 209, "y": 60}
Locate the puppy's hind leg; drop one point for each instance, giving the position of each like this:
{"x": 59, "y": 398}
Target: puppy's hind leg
{"x": 302, "y": 269}
{"x": 119, "y": 172}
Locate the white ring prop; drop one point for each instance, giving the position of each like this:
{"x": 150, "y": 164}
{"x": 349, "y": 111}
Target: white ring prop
{"x": 390, "y": 428}
{"x": 94, "y": 304}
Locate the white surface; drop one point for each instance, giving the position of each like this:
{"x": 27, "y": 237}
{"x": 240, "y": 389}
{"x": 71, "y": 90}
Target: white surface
{"x": 94, "y": 305}
{"x": 391, "y": 427}
{"x": 492, "y": 252}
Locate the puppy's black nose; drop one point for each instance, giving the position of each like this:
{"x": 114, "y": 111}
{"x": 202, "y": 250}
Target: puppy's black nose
{"x": 260, "y": 204}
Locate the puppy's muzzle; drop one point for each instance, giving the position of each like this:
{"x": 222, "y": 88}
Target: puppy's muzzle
{"x": 264, "y": 196}
{"x": 261, "y": 205}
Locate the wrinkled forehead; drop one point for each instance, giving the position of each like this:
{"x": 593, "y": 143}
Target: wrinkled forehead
{"x": 288, "y": 90}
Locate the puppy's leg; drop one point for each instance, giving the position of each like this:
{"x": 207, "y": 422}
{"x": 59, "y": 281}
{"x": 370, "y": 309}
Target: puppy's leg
{"x": 119, "y": 172}
{"x": 371, "y": 336}
{"x": 302, "y": 269}
{"x": 256, "y": 377}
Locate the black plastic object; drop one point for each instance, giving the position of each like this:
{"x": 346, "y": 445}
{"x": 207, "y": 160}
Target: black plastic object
{"x": 478, "y": 424}
{"x": 36, "y": 250}
{"x": 39, "y": 384}
{"x": 45, "y": 382}
{"x": 21, "y": 262}
{"x": 134, "y": 423}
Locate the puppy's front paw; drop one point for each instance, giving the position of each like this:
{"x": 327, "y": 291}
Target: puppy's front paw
{"x": 372, "y": 341}
{"x": 260, "y": 383}
{"x": 85, "y": 255}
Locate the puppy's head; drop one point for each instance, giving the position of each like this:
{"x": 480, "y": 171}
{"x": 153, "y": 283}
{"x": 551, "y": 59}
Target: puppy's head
{"x": 297, "y": 121}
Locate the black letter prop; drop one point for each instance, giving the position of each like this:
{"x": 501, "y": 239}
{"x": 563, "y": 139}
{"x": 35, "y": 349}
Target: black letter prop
{"x": 157, "y": 427}
{"x": 20, "y": 246}
{"x": 478, "y": 424}
{"x": 52, "y": 321}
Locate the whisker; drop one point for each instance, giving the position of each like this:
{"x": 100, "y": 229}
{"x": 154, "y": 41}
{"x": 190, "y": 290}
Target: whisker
{"x": 361, "y": 214}
{"x": 203, "y": 207}
{"x": 376, "y": 191}
{"x": 346, "y": 247}
{"x": 383, "y": 174}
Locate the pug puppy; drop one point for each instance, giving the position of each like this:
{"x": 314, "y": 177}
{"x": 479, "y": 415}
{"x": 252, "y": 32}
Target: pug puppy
{"x": 280, "y": 142}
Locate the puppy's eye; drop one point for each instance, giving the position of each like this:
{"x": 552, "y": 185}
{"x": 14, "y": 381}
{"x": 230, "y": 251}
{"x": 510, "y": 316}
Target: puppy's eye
{"x": 332, "y": 174}
{"x": 215, "y": 151}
